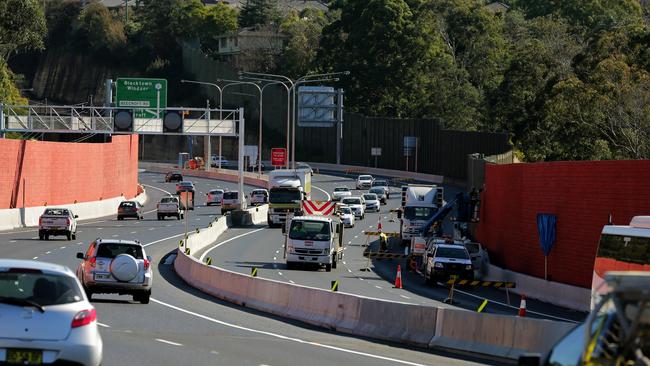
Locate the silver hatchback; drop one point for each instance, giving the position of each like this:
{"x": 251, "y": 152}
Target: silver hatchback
{"x": 116, "y": 267}
{"x": 45, "y": 317}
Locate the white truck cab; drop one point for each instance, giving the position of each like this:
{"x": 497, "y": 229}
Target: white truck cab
{"x": 419, "y": 204}
{"x": 314, "y": 239}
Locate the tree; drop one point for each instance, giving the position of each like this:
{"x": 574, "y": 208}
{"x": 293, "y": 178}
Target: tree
{"x": 215, "y": 21}
{"x": 99, "y": 30}
{"x": 259, "y": 12}
{"x": 22, "y": 26}
{"x": 304, "y": 31}
{"x": 166, "y": 22}
{"x": 9, "y": 94}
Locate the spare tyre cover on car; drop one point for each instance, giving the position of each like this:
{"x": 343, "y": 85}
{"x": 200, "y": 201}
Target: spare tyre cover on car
{"x": 124, "y": 267}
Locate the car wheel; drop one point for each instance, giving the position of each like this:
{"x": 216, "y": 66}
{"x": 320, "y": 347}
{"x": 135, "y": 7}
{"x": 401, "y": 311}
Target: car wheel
{"x": 328, "y": 267}
{"x": 74, "y": 236}
{"x": 143, "y": 298}
{"x": 120, "y": 218}
{"x": 178, "y": 216}
{"x": 182, "y": 216}
{"x": 40, "y": 235}
{"x": 159, "y": 217}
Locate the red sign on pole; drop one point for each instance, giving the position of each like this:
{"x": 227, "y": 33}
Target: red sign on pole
{"x": 278, "y": 156}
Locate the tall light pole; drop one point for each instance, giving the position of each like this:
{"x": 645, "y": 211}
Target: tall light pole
{"x": 259, "y": 149}
{"x": 287, "y": 84}
{"x": 220, "y": 115}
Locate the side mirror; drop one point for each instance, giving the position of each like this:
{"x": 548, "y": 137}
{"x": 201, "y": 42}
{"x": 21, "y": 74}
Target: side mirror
{"x": 80, "y": 255}
{"x": 529, "y": 359}
{"x": 76, "y": 216}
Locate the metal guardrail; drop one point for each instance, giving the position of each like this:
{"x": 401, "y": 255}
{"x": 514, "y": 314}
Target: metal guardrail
{"x": 99, "y": 120}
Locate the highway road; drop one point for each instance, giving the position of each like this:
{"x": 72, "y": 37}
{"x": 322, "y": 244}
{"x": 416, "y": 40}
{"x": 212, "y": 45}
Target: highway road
{"x": 261, "y": 247}
{"x": 184, "y": 326}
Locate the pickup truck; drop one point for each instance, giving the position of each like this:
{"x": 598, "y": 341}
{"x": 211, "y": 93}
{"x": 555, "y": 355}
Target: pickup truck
{"x": 57, "y": 221}
{"x": 170, "y": 206}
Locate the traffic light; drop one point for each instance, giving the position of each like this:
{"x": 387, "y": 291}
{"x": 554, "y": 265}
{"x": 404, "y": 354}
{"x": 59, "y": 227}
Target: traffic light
{"x": 123, "y": 120}
{"x": 173, "y": 121}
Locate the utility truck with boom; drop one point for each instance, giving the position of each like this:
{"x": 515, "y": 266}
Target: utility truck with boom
{"x": 288, "y": 188}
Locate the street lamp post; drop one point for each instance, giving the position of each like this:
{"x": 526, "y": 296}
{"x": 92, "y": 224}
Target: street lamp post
{"x": 285, "y": 84}
{"x": 220, "y": 116}
{"x": 259, "y": 149}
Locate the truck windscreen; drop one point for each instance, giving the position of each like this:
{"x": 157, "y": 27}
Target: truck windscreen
{"x": 419, "y": 213}
{"x": 284, "y": 196}
{"x": 309, "y": 230}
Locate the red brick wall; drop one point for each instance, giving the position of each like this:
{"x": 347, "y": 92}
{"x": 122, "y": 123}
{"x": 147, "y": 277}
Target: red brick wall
{"x": 581, "y": 194}
{"x": 59, "y": 173}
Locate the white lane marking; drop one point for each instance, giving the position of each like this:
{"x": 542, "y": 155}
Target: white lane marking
{"x": 35, "y": 258}
{"x": 48, "y": 252}
{"x": 344, "y": 262}
{"x": 79, "y": 231}
{"x": 152, "y": 228}
{"x": 198, "y": 219}
{"x": 103, "y": 325}
{"x": 349, "y": 270}
{"x": 226, "y": 241}
{"x": 13, "y": 241}
{"x": 116, "y": 235}
{"x": 277, "y": 252}
{"x": 79, "y": 243}
{"x": 329, "y": 198}
{"x": 99, "y": 228}
{"x": 127, "y": 331}
{"x": 406, "y": 297}
{"x": 280, "y": 273}
{"x": 287, "y": 338}
{"x": 214, "y": 352}
{"x": 275, "y": 258}
{"x": 62, "y": 247}
{"x": 360, "y": 278}
{"x": 290, "y": 281}
{"x": 169, "y": 342}
{"x": 34, "y": 238}
{"x": 379, "y": 287}
{"x": 133, "y": 232}
{"x": 350, "y": 242}
{"x": 163, "y": 239}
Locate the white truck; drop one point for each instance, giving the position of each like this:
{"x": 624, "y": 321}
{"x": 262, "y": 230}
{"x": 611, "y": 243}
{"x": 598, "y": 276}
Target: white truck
{"x": 314, "y": 239}
{"x": 57, "y": 221}
{"x": 419, "y": 204}
{"x": 288, "y": 188}
{"x": 169, "y": 206}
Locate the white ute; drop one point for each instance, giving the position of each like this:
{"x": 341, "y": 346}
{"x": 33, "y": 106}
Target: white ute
{"x": 57, "y": 221}
{"x": 357, "y": 206}
{"x": 169, "y": 206}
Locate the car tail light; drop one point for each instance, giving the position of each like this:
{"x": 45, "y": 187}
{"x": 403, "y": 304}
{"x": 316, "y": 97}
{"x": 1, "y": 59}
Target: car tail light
{"x": 84, "y": 317}
{"x": 40, "y": 221}
{"x": 93, "y": 261}
{"x": 67, "y": 222}
{"x": 146, "y": 264}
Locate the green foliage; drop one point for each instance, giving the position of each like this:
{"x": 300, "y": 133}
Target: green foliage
{"x": 304, "y": 31}
{"x": 9, "y": 93}
{"x": 97, "y": 28}
{"x": 259, "y": 12}
{"x": 215, "y": 21}
{"x": 22, "y": 26}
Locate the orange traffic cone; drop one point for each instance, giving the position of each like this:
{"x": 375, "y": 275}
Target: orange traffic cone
{"x": 522, "y": 306}
{"x": 398, "y": 279}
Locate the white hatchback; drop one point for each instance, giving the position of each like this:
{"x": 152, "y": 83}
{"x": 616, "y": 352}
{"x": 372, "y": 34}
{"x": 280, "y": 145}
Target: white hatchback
{"x": 214, "y": 197}
{"x": 46, "y": 317}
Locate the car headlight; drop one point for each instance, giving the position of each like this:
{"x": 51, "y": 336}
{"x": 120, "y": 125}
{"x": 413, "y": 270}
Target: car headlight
{"x": 438, "y": 265}
{"x": 468, "y": 267}
{"x": 289, "y": 248}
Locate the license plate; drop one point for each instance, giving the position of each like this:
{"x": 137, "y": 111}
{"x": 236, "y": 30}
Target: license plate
{"x": 102, "y": 276}
{"x": 24, "y": 356}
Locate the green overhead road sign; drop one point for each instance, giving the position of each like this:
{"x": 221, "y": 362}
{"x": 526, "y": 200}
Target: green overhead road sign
{"x": 147, "y": 96}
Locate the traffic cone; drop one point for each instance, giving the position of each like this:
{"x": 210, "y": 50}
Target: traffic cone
{"x": 379, "y": 226}
{"x": 522, "y": 306}
{"x": 398, "y": 278}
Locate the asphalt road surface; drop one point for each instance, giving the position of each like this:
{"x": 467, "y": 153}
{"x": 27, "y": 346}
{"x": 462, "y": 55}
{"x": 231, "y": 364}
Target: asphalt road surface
{"x": 183, "y": 326}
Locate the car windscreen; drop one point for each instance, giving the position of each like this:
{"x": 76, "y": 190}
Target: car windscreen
{"x": 379, "y": 183}
{"x": 230, "y": 195}
{"x": 456, "y": 253}
{"x": 112, "y": 250}
{"x": 371, "y": 197}
{"x": 377, "y": 191}
{"x": 168, "y": 200}
{"x": 309, "y": 230}
{"x": 365, "y": 177}
{"x": 419, "y": 213}
{"x": 21, "y": 286}
{"x": 259, "y": 193}
{"x": 56, "y": 212}
{"x": 352, "y": 201}
{"x": 280, "y": 196}
{"x": 127, "y": 204}
{"x": 216, "y": 192}
{"x": 346, "y": 210}
{"x": 341, "y": 189}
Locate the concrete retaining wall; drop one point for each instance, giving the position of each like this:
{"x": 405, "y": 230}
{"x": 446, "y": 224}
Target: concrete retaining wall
{"x": 424, "y": 326}
{"x": 380, "y": 172}
{"x": 26, "y": 217}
